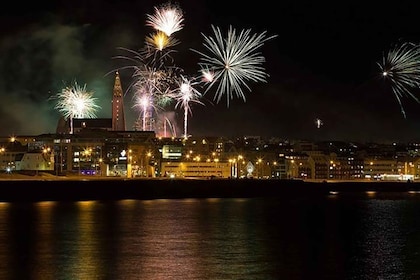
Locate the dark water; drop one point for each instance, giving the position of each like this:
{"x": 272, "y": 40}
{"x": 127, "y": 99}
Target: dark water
{"x": 349, "y": 236}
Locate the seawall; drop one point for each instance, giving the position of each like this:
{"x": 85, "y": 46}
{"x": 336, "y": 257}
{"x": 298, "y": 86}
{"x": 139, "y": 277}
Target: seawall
{"x": 115, "y": 189}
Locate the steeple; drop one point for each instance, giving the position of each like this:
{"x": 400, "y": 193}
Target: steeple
{"x": 118, "y": 119}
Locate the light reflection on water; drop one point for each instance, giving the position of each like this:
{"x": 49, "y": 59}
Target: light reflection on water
{"x": 331, "y": 237}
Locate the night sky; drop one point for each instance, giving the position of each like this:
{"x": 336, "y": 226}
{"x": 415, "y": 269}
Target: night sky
{"x": 322, "y": 64}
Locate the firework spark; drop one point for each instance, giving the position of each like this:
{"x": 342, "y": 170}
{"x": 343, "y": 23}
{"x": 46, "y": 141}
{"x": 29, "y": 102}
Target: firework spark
{"x": 160, "y": 41}
{"x": 155, "y": 86}
{"x": 167, "y": 125}
{"x": 76, "y": 102}
{"x": 318, "y": 123}
{"x": 144, "y": 100}
{"x": 401, "y": 66}
{"x": 231, "y": 63}
{"x": 145, "y": 103}
{"x": 186, "y": 94}
{"x": 152, "y": 80}
{"x": 168, "y": 18}
{"x": 234, "y": 60}
{"x": 207, "y": 75}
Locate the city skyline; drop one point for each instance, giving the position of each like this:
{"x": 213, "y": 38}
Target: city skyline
{"x": 323, "y": 83}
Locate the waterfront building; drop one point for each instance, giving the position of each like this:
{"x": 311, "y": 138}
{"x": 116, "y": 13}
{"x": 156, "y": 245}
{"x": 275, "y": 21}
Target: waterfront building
{"x": 377, "y": 166}
{"x": 300, "y": 165}
{"x": 196, "y": 169}
{"x": 34, "y": 161}
{"x": 88, "y": 152}
{"x": 95, "y": 147}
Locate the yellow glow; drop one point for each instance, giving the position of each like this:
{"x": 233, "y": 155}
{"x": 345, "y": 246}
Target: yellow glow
{"x": 370, "y": 193}
{"x": 159, "y": 40}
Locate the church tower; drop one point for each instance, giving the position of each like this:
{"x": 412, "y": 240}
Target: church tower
{"x": 118, "y": 119}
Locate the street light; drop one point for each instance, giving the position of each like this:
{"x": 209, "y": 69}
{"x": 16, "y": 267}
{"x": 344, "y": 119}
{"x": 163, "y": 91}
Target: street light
{"x": 274, "y": 169}
{"x": 240, "y": 157}
{"x": 216, "y": 161}
{"x": 2, "y": 151}
{"x": 260, "y": 164}
{"x": 100, "y": 166}
{"x": 128, "y": 163}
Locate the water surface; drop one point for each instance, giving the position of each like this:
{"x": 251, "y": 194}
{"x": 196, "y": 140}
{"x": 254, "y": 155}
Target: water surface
{"x": 357, "y": 236}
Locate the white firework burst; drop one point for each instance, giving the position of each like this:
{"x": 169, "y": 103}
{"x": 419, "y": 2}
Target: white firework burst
{"x": 234, "y": 61}
{"x": 76, "y": 102}
{"x": 167, "y": 18}
{"x": 401, "y": 66}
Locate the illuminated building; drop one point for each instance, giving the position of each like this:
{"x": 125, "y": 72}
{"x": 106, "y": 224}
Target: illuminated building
{"x": 118, "y": 118}
{"x": 195, "y": 169}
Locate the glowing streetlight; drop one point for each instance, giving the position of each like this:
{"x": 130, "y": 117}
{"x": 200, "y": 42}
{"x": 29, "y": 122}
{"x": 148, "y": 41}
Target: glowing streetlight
{"x": 129, "y": 163}
{"x": 230, "y": 165}
{"x": 240, "y": 157}
{"x": 260, "y": 164}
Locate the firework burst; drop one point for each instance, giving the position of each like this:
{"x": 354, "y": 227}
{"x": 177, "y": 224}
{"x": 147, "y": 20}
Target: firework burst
{"x": 167, "y": 18}
{"x": 229, "y": 64}
{"x": 146, "y": 91}
{"x": 152, "y": 80}
{"x": 401, "y": 66}
{"x": 76, "y": 102}
{"x": 144, "y": 102}
{"x": 159, "y": 41}
{"x": 184, "y": 95}
{"x": 234, "y": 61}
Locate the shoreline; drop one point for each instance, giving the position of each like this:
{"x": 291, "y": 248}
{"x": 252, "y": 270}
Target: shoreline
{"x": 77, "y": 188}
